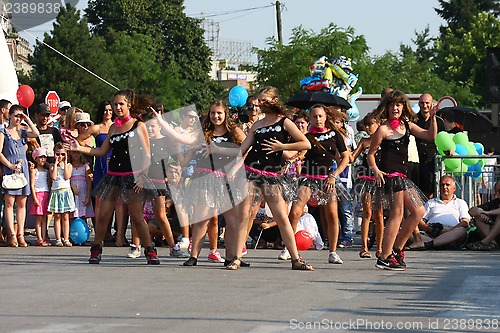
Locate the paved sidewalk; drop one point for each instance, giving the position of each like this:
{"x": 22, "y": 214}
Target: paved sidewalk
{"x": 55, "y": 290}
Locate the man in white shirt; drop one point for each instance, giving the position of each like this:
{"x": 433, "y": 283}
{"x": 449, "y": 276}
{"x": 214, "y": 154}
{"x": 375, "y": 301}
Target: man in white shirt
{"x": 445, "y": 221}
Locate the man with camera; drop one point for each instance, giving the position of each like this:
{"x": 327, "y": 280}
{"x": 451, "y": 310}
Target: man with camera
{"x": 445, "y": 222}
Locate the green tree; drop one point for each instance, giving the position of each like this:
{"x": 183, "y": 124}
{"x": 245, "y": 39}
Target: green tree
{"x": 461, "y": 54}
{"x": 51, "y": 71}
{"x": 178, "y": 39}
{"x": 461, "y": 13}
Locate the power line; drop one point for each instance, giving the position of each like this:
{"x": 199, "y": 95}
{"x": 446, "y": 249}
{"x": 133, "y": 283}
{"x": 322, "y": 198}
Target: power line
{"x": 230, "y": 12}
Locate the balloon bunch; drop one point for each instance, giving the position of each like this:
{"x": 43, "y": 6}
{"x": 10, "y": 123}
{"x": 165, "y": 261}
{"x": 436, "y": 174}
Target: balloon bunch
{"x": 459, "y": 145}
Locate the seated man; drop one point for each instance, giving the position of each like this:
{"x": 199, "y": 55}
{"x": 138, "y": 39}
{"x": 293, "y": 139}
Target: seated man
{"x": 445, "y": 221}
{"x": 486, "y": 217}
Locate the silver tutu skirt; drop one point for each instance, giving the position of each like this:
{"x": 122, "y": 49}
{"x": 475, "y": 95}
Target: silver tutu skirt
{"x": 319, "y": 197}
{"x": 286, "y": 184}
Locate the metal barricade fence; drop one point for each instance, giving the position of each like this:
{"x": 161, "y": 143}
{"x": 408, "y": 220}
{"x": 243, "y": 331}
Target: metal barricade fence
{"x": 475, "y": 187}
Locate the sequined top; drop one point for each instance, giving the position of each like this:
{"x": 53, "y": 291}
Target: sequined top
{"x": 394, "y": 153}
{"x": 318, "y": 160}
{"x": 217, "y": 161}
{"x": 260, "y": 159}
{"x": 120, "y": 157}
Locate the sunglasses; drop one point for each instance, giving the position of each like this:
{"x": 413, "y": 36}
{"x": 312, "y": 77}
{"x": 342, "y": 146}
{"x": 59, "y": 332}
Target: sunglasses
{"x": 60, "y": 154}
{"x": 83, "y": 124}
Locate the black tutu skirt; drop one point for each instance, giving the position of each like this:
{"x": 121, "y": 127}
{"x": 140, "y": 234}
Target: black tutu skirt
{"x": 319, "y": 197}
{"x": 383, "y": 196}
{"x": 286, "y": 183}
{"x": 121, "y": 188}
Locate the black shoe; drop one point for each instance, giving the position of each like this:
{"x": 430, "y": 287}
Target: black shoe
{"x": 243, "y": 264}
{"x": 400, "y": 257}
{"x": 151, "y": 255}
{"x": 192, "y": 261}
{"x": 95, "y": 254}
{"x": 390, "y": 264}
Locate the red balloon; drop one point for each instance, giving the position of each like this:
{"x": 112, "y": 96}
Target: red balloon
{"x": 25, "y": 96}
{"x": 303, "y": 239}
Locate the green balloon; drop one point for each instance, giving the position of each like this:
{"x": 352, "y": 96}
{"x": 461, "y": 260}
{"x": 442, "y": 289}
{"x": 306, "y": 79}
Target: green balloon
{"x": 461, "y": 138}
{"x": 471, "y": 150}
{"x": 444, "y": 141}
{"x": 452, "y": 164}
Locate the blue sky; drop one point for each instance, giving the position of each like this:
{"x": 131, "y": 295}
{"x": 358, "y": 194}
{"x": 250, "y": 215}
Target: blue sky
{"x": 384, "y": 23}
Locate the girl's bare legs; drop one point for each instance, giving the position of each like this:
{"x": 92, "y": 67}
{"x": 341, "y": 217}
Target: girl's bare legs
{"x": 365, "y": 220}
{"x": 236, "y": 227}
{"x": 378, "y": 216}
{"x": 135, "y": 209}
{"x": 393, "y": 223}
{"x": 103, "y": 216}
{"x": 57, "y": 226}
{"x": 65, "y": 225}
{"x": 21, "y": 215}
{"x": 278, "y": 206}
{"x": 8, "y": 214}
{"x": 213, "y": 232}
{"x": 161, "y": 217}
{"x": 297, "y": 210}
{"x": 121, "y": 222}
{"x": 332, "y": 220}
{"x": 410, "y": 223}
{"x": 40, "y": 237}
{"x": 198, "y": 236}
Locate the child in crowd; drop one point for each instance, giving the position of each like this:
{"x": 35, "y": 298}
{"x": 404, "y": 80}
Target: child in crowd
{"x": 365, "y": 179}
{"x": 61, "y": 198}
{"x": 81, "y": 185}
{"x": 39, "y": 182}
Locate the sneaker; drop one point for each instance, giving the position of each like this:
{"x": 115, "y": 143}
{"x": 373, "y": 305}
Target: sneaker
{"x": 95, "y": 254}
{"x": 244, "y": 252}
{"x": 391, "y": 263}
{"x": 135, "y": 252}
{"x": 184, "y": 244}
{"x": 214, "y": 256}
{"x": 151, "y": 255}
{"x": 345, "y": 243}
{"x": 284, "y": 255}
{"x": 333, "y": 258}
{"x": 192, "y": 261}
{"x": 178, "y": 253}
{"x": 400, "y": 257}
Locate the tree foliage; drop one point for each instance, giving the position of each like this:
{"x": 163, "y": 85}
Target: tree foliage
{"x": 461, "y": 54}
{"x": 51, "y": 71}
{"x": 178, "y": 40}
{"x": 461, "y": 13}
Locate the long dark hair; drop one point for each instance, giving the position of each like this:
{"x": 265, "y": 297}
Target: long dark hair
{"x": 329, "y": 124}
{"x": 99, "y": 116}
{"x": 138, "y": 104}
{"x": 208, "y": 126}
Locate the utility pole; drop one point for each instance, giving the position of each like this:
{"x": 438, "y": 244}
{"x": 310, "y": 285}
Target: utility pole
{"x": 278, "y": 21}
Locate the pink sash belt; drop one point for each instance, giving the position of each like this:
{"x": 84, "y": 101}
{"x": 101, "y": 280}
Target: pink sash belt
{"x": 262, "y": 172}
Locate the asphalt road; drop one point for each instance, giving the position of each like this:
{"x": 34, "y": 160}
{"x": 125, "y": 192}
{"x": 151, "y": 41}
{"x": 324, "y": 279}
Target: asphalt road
{"x": 52, "y": 290}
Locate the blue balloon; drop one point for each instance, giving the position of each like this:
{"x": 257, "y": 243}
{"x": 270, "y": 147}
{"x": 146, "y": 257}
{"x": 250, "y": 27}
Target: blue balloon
{"x": 238, "y": 96}
{"x": 460, "y": 150}
{"x": 79, "y": 231}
